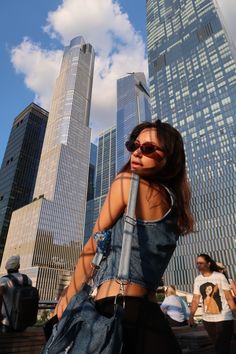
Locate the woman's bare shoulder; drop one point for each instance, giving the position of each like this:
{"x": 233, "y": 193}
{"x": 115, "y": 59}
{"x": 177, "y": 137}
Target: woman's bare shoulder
{"x": 124, "y": 176}
{"x": 121, "y": 184}
{"x": 154, "y": 195}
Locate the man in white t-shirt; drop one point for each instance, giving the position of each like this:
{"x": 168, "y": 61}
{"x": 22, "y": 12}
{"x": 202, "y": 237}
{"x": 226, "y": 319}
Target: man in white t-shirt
{"x": 218, "y": 304}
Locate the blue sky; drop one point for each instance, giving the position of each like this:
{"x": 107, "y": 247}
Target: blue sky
{"x": 33, "y": 34}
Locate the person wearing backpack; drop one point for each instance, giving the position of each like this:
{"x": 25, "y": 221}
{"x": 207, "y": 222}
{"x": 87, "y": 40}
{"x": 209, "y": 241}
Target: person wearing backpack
{"x": 18, "y": 299}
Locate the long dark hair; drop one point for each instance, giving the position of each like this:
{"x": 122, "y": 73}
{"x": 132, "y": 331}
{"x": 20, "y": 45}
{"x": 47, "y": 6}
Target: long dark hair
{"x": 173, "y": 173}
{"x": 208, "y": 259}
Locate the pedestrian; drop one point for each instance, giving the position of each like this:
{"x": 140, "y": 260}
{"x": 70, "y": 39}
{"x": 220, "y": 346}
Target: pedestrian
{"x": 222, "y": 269}
{"x": 218, "y": 304}
{"x": 162, "y": 215}
{"x": 7, "y": 288}
{"x": 175, "y": 308}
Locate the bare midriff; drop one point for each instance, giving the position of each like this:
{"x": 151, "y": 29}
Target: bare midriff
{"x": 112, "y": 288}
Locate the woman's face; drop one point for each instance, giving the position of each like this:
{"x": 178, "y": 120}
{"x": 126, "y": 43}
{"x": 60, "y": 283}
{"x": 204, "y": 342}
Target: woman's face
{"x": 202, "y": 265}
{"x": 208, "y": 290}
{"x": 146, "y": 165}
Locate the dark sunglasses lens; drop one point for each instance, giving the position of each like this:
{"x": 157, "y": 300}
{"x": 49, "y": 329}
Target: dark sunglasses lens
{"x": 148, "y": 149}
{"x": 131, "y": 146}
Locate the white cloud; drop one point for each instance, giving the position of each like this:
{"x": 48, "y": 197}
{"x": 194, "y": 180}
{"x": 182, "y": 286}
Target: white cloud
{"x": 40, "y": 68}
{"x": 119, "y": 49}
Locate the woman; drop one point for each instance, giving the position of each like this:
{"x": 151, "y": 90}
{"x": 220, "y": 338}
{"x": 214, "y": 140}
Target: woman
{"x": 218, "y": 304}
{"x": 174, "y": 308}
{"x": 162, "y": 212}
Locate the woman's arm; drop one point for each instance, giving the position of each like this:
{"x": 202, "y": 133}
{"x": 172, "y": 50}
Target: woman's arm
{"x": 115, "y": 203}
{"x": 233, "y": 287}
{"x": 230, "y": 301}
{"x": 193, "y": 308}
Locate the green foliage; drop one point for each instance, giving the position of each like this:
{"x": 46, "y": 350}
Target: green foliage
{"x": 43, "y": 316}
{"x": 160, "y": 297}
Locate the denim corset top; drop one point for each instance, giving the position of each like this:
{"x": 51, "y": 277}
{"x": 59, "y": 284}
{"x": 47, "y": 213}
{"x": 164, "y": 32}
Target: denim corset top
{"x": 153, "y": 244}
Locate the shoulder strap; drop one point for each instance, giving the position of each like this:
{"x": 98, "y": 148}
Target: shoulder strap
{"x": 16, "y": 282}
{"x": 13, "y": 279}
{"x": 7, "y": 313}
{"x": 25, "y": 280}
{"x": 130, "y": 222}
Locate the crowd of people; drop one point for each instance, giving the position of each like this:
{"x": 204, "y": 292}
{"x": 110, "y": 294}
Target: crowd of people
{"x": 162, "y": 215}
{"x": 217, "y": 293}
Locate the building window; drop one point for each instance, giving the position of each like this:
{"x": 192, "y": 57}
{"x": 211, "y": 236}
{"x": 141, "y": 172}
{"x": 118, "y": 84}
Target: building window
{"x": 160, "y": 62}
{"x": 204, "y": 32}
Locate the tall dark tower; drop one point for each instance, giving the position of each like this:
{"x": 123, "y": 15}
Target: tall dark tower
{"x": 20, "y": 164}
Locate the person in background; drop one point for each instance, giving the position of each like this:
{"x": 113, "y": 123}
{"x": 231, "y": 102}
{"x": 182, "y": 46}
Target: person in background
{"x": 175, "y": 308}
{"x": 218, "y": 304}
{"x": 222, "y": 269}
{"x": 7, "y": 289}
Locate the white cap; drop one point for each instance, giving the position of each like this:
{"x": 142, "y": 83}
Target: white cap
{"x": 13, "y": 263}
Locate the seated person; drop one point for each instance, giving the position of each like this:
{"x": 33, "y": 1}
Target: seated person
{"x": 175, "y": 308}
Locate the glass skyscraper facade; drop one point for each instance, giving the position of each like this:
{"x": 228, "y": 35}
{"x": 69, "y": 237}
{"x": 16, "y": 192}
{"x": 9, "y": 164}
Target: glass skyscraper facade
{"x": 193, "y": 86}
{"x": 89, "y": 218}
{"x": 92, "y": 171}
{"x": 105, "y": 169}
{"x": 48, "y": 233}
{"x": 133, "y": 107}
{"x": 20, "y": 164}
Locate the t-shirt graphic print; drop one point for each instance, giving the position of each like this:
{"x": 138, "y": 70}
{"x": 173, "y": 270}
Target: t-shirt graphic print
{"x": 214, "y": 304}
{"x": 211, "y": 298}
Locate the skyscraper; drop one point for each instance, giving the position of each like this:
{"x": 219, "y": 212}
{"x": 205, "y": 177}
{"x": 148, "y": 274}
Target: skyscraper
{"x": 133, "y": 107}
{"x": 89, "y": 218}
{"x": 20, "y": 164}
{"x": 92, "y": 172}
{"x": 105, "y": 169}
{"x": 193, "y": 86}
{"x": 105, "y": 173}
{"x": 48, "y": 233}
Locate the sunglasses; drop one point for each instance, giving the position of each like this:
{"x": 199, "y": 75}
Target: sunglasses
{"x": 146, "y": 148}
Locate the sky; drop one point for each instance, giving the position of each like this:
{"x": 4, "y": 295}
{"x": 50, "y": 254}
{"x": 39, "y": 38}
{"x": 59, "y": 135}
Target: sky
{"x": 34, "y": 33}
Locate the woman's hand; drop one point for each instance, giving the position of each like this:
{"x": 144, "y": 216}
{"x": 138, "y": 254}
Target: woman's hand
{"x": 61, "y": 306}
{"x": 191, "y": 321}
